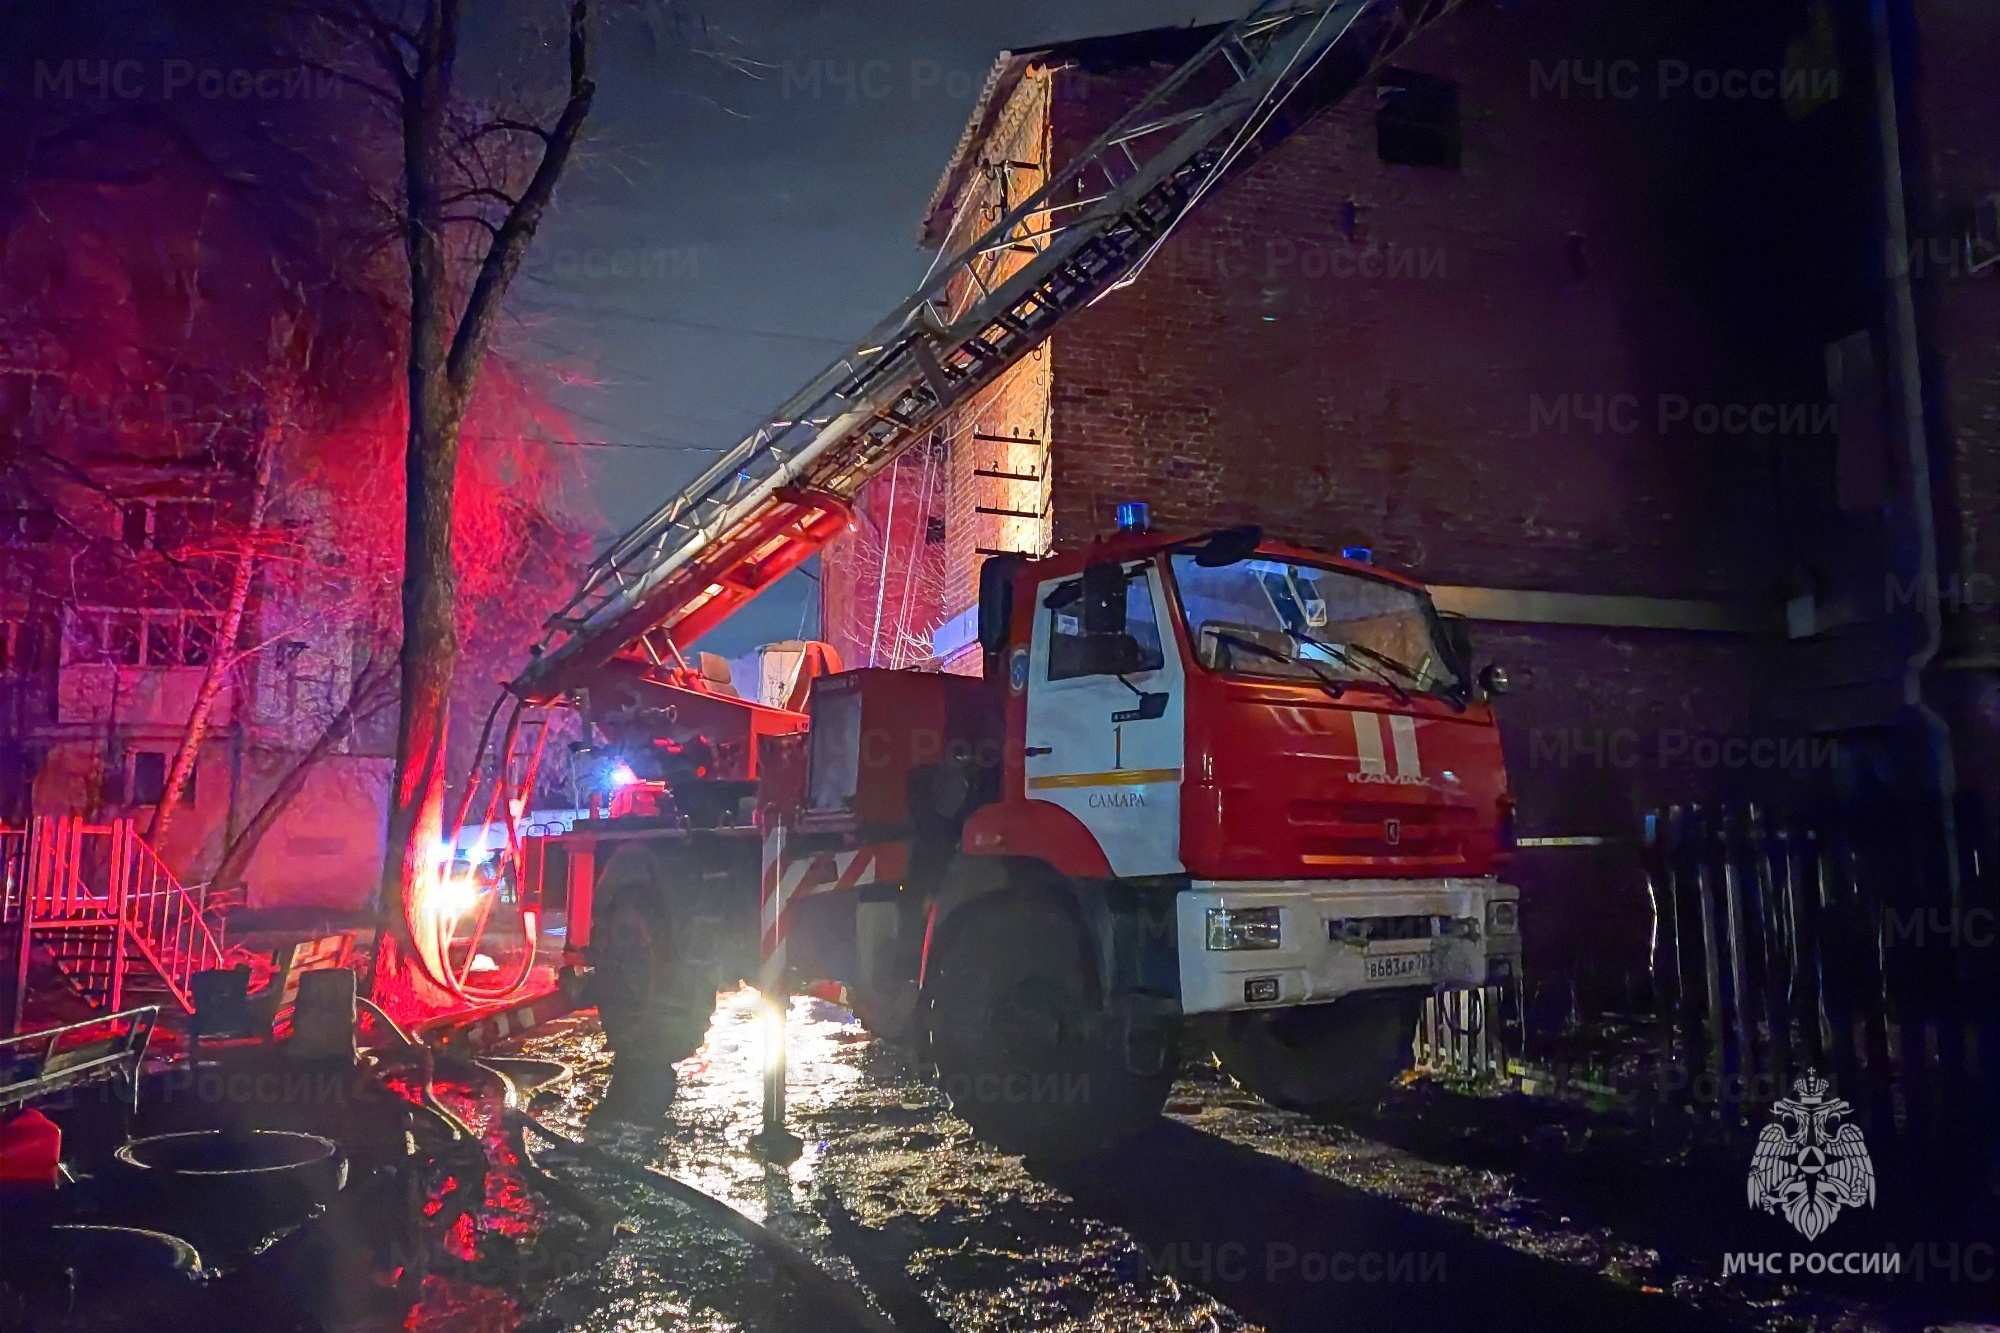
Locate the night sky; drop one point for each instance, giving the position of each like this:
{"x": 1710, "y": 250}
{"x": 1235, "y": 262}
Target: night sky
{"x": 731, "y": 232}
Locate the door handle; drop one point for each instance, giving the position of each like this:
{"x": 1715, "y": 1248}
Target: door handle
{"x": 1039, "y": 749}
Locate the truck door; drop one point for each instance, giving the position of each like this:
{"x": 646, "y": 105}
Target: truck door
{"x": 1108, "y": 746}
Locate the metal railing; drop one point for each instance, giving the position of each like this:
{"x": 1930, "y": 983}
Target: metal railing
{"x": 1091, "y": 224}
{"x": 38, "y": 1065}
{"x": 99, "y": 901}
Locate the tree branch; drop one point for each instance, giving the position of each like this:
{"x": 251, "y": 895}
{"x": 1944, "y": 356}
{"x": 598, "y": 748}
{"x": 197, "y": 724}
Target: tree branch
{"x": 510, "y": 243}
{"x": 392, "y": 97}
{"x": 473, "y": 218}
{"x": 481, "y": 192}
{"x": 505, "y": 126}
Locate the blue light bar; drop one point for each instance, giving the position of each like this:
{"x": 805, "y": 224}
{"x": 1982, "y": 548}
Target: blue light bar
{"x": 1134, "y": 516}
{"x": 1360, "y": 555}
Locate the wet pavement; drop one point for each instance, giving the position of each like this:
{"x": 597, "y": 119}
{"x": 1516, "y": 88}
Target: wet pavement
{"x": 1448, "y": 1211}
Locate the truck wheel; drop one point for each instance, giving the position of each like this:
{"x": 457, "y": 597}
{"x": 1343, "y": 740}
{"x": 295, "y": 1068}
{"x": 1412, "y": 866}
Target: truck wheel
{"x": 654, "y": 1010}
{"x": 1328, "y": 1058}
{"x": 1021, "y": 1048}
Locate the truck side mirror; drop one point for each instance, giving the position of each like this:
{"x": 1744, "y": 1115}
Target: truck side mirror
{"x": 996, "y": 600}
{"x": 1458, "y": 636}
{"x": 1103, "y": 599}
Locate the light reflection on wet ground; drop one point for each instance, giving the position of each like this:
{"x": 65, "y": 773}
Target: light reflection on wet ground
{"x": 892, "y": 1190}
{"x": 1202, "y": 1224}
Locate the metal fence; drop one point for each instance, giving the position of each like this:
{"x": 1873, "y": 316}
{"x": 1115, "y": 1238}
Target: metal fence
{"x": 1839, "y": 944}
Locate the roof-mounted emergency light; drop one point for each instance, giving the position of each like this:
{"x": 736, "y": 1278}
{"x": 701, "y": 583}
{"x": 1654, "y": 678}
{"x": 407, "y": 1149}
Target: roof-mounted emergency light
{"x": 1134, "y": 516}
{"x": 1360, "y": 555}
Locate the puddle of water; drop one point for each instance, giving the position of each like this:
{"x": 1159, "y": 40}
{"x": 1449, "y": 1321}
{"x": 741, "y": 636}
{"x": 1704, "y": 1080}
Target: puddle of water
{"x": 890, "y": 1181}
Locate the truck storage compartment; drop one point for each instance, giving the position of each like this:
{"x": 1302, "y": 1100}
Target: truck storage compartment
{"x": 880, "y": 739}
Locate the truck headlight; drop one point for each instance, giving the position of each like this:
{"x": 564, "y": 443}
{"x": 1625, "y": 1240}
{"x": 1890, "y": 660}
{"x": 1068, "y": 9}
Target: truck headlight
{"x": 1503, "y": 916}
{"x": 1243, "y": 928}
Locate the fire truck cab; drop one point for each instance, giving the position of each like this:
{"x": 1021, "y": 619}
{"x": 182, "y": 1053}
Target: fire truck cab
{"x": 1209, "y": 792}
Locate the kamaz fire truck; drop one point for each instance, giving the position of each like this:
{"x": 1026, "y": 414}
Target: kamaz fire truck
{"x": 1209, "y": 790}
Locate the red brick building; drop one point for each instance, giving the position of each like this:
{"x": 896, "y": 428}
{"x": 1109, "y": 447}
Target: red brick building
{"x": 1579, "y": 313}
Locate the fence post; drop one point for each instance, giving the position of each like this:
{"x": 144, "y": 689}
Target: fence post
{"x": 1711, "y": 958}
{"x": 1775, "y": 953}
{"x": 1802, "y": 991}
{"x": 1868, "y": 928}
{"x": 1739, "y": 965}
{"x": 34, "y": 863}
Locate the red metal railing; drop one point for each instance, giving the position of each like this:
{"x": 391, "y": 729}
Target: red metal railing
{"x": 105, "y": 908}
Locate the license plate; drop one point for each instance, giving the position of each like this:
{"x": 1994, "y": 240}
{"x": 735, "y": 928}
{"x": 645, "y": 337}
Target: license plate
{"x": 1400, "y": 967}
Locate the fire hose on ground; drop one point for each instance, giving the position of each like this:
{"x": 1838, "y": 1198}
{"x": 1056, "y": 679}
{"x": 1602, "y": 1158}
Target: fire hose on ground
{"x": 516, "y": 1122}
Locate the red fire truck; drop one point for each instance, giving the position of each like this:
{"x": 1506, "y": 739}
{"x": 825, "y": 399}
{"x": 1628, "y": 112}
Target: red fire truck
{"x": 1209, "y": 790}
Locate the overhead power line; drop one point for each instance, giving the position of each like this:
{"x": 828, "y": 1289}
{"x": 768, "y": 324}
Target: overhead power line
{"x": 677, "y": 321}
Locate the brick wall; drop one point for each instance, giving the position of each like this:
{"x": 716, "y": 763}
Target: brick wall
{"x": 987, "y": 483}
{"x": 1516, "y": 373}
{"x": 1589, "y": 358}
{"x": 1413, "y": 358}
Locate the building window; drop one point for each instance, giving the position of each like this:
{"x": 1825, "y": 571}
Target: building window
{"x": 934, "y": 530}
{"x": 148, "y": 782}
{"x": 27, "y": 526}
{"x": 158, "y": 639}
{"x": 124, "y": 639}
{"x": 1416, "y": 119}
{"x": 21, "y": 646}
{"x": 176, "y": 525}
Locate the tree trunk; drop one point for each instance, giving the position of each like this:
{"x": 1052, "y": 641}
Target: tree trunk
{"x": 222, "y": 656}
{"x": 429, "y": 653}
{"x": 444, "y": 360}
{"x": 369, "y": 694}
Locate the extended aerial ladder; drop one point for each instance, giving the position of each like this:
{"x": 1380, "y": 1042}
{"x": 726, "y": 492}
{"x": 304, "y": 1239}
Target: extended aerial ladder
{"x": 785, "y": 491}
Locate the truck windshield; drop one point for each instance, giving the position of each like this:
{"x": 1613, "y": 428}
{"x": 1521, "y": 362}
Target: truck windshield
{"x": 1264, "y": 617}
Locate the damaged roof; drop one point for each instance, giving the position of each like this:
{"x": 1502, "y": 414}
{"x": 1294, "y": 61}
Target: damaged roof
{"x": 1117, "y": 51}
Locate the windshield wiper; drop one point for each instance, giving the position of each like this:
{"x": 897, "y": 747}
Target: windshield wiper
{"x": 1330, "y": 684}
{"x": 1454, "y": 696}
{"x": 1342, "y": 655}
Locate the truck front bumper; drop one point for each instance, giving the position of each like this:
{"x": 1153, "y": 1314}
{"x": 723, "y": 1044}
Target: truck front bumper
{"x": 1337, "y": 937}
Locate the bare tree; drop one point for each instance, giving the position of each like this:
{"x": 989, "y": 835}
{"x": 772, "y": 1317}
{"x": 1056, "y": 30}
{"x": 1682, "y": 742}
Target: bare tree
{"x": 457, "y": 170}
{"x": 225, "y": 656}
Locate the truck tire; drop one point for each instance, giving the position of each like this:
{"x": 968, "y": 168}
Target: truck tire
{"x": 654, "y": 1010}
{"x": 1020, "y": 1046}
{"x": 1337, "y": 1058}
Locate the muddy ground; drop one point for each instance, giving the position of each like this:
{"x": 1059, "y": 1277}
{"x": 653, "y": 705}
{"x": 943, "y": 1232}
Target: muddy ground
{"x": 1446, "y": 1210}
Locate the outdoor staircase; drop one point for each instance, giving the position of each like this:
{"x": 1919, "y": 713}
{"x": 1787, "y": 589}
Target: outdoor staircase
{"x": 97, "y": 903}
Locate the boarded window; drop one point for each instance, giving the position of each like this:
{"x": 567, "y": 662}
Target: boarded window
{"x": 1416, "y": 119}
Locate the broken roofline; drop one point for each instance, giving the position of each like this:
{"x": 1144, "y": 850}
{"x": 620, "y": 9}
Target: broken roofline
{"x": 1116, "y": 51}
